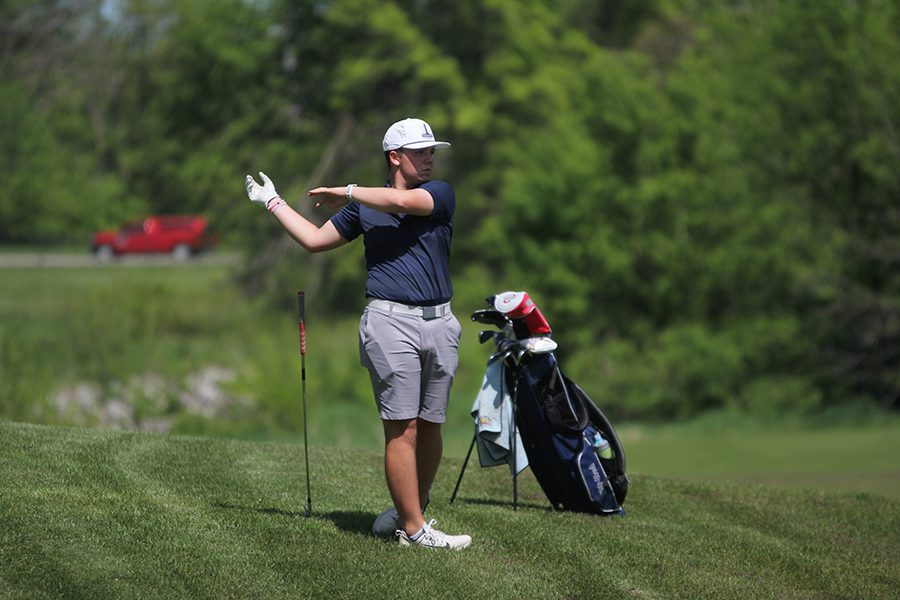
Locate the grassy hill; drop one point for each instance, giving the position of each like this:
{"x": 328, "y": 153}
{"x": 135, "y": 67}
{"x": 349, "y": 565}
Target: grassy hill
{"x": 86, "y": 514}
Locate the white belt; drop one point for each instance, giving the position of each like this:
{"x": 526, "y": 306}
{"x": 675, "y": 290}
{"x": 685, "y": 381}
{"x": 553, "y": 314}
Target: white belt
{"x": 426, "y": 312}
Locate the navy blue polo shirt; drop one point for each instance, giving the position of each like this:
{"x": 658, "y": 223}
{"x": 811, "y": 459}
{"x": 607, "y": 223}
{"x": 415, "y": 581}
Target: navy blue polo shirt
{"x": 407, "y": 256}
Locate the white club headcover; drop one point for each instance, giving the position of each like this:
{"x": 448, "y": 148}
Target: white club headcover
{"x": 539, "y": 345}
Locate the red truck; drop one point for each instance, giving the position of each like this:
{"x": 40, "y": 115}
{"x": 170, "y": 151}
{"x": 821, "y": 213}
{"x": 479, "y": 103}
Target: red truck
{"x": 179, "y": 235}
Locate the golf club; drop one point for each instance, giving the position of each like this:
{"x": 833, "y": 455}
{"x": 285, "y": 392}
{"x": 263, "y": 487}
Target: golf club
{"x": 301, "y": 302}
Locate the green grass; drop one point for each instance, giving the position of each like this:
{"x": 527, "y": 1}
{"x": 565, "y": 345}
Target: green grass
{"x": 838, "y": 458}
{"x": 87, "y": 514}
{"x": 62, "y": 326}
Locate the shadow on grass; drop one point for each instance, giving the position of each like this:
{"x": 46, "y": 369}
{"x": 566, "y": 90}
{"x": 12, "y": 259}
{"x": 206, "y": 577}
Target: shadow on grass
{"x": 351, "y": 522}
{"x": 263, "y": 511}
{"x": 505, "y": 503}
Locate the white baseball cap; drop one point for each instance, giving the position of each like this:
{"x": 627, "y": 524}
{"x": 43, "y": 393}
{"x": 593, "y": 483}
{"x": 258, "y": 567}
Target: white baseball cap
{"x": 411, "y": 133}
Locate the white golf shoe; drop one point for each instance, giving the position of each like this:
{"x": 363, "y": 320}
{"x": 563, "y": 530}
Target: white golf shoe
{"x": 432, "y": 538}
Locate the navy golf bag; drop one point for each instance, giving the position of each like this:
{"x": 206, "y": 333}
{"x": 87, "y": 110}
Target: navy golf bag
{"x": 571, "y": 446}
{"x": 559, "y": 424}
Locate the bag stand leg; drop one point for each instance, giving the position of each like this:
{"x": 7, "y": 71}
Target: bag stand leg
{"x": 515, "y": 456}
{"x": 462, "y": 472}
{"x": 515, "y": 475}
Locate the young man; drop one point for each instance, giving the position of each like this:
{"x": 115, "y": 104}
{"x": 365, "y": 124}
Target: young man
{"x": 409, "y": 337}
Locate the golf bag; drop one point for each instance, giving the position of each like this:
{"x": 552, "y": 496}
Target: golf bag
{"x": 559, "y": 424}
{"x": 571, "y": 446}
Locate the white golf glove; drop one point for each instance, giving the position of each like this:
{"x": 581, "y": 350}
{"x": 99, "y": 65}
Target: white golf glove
{"x": 261, "y": 194}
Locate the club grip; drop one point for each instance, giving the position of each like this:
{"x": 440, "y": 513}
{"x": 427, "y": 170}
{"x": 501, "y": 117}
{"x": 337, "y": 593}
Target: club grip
{"x": 301, "y": 319}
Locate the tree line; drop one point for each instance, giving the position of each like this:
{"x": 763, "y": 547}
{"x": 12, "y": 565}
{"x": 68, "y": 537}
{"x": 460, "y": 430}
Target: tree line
{"x": 702, "y": 196}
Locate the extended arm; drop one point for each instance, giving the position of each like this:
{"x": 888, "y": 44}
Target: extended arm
{"x": 312, "y": 237}
{"x": 416, "y": 201}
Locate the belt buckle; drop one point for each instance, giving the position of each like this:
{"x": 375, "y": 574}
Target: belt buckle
{"x": 430, "y": 312}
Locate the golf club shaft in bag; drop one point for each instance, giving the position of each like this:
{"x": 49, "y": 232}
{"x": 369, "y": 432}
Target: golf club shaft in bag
{"x": 301, "y": 307}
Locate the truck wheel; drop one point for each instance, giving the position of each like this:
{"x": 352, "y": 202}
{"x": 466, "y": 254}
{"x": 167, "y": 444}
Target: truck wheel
{"x": 181, "y": 252}
{"x": 104, "y": 253}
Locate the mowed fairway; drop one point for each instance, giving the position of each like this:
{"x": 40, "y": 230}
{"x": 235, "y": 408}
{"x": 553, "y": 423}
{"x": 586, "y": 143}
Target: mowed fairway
{"x": 848, "y": 459}
{"x": 90, "y": 514}
{"x": 85, "y": 514}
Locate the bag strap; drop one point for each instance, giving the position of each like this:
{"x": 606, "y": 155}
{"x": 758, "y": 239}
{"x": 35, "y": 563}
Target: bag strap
{"x": 566, "y": 411}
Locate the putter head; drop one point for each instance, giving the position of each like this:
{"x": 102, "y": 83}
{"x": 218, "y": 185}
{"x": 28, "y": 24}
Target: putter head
{"x": 307, "y": 510}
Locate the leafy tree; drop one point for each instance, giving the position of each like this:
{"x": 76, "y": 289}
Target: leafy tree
{"x": 803, "y": 93}
{"x": 55, "y": 132}
{"x": 701, "y": 196}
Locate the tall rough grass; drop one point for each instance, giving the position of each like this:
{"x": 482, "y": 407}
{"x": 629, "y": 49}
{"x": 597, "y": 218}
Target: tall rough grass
{"x": 137, "y": 336}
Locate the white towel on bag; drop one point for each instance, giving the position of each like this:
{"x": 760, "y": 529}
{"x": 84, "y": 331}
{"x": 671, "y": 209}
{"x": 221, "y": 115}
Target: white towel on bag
{"x": 492, "y": 411}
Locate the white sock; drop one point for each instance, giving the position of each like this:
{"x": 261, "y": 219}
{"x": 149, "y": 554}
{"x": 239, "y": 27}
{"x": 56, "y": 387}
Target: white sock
{"x": 417, "y": 535}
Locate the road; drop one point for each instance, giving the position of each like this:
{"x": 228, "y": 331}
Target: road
{"x": 81, "y": 260}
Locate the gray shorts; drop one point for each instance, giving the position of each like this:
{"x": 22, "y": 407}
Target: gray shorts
{"x": 411, "y": 361}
